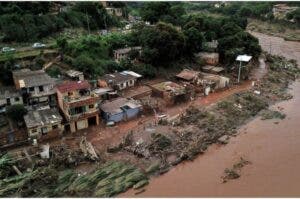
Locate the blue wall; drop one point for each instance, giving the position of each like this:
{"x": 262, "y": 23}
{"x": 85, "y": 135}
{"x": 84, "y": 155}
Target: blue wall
{"x": 126, "y": 114}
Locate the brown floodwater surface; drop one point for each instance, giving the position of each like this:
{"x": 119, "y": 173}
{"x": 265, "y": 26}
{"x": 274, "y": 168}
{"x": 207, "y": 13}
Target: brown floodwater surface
{"x": 273, "y": 150}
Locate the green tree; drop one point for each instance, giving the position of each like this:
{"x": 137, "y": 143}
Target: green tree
{"x": 16, "y": 112}
{"x": 194, "y": 40}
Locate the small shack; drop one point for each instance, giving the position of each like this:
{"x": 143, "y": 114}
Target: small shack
{"x": 213, "y": 82}
{"x": 171, "y": 92}
{"x": 75, "y": 75}
{"x": 120, "y": 109}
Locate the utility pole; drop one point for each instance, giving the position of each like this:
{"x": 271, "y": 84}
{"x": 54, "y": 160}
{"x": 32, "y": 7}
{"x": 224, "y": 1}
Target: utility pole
{"x": 239, "y": 74}
{"x": 242, "y": 58}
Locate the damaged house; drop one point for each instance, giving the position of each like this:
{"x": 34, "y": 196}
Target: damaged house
{"x": 9, "y": 96}
{"x": 78, "y": 104}
{"x": 43, "y": 124}
{"x": 37, "y": 87}
{"x": 123, "y": 53}
{"x": 171, "y": 92}
{"x": 121, "y": 80}
{"x": 75, "y": 75}
{"x": 211, "y": 82}
{"x": 120, "y": 109}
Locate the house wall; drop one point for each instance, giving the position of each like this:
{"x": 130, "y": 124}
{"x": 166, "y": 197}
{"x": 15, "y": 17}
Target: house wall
{"x": 36, "y": 90}
{"x": 125, "y": 115}
{"x": 12, "y": 138}
{"x": 66, "y": 110}
{"x": 36, "y": 132}
{"x": 13, "y": 101}
{"x": 131, "y": 113}
{"x": 126, "y": 84}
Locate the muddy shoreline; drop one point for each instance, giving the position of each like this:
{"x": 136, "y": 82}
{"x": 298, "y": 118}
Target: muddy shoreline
{"x": 202, "y": 176}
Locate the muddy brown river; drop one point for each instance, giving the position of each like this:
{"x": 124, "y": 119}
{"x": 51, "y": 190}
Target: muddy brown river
{"x": 272, "y": 148}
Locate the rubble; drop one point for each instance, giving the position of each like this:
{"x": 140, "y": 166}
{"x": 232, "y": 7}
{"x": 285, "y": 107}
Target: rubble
{"x": 224, "y": 139}
{"x": 234, "y": 172}
{"x": 269, "y": 114}
{"x": 88, "y": 149}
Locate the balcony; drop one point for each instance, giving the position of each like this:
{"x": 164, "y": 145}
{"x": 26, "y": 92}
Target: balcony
{"x": 80, "y": 100}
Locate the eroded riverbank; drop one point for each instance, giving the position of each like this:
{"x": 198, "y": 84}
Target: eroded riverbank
{"x": 273, "y": 149}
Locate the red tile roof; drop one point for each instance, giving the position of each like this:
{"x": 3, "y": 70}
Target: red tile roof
{"x": 73, "y": 85}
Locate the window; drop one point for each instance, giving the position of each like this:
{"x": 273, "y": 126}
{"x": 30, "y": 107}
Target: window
{"x": 34, "y": 131}
{"x": 17, "y": 99}
{"x": 44, "y": 130}
{"x": 41, "y": 88}
{"x": 91, "y": 106}
{"x": 55, "y": 126}
{"x": 8, "y": 101}
{"x": 31, "y": 89}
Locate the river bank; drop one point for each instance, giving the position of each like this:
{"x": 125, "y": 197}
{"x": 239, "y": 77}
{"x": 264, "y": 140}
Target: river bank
{"x": 273, "y": 149}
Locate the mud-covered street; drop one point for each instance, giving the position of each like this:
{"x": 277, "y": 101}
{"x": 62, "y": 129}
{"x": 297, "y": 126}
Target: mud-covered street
{"x": 272, "y": 147}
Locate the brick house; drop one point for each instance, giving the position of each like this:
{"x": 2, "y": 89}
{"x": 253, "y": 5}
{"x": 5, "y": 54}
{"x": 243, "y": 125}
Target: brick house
{"x": 78, "y": 104}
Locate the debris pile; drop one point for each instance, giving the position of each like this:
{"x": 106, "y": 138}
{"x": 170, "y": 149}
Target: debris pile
{"x": 269, "y": 114}
{"x": 234, "y": 172}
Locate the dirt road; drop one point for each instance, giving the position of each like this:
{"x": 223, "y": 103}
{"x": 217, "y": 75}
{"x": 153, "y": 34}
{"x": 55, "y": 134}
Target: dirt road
{"x": 273, "y": 149}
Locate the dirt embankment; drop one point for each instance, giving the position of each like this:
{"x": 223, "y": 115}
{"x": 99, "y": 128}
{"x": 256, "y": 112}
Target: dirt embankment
{"x": 274, "y": 29}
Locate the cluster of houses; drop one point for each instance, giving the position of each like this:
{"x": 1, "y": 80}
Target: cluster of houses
{"x": 56, "y": 106}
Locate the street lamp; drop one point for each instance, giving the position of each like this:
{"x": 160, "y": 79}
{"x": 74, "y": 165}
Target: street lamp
{"x": 242, "y": 58}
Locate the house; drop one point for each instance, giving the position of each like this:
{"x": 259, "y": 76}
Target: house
{"x": 122, "y": 53}
{"x": 120, "y": 109}
{"x": 171, "y": 92}
{"x": 37, "y": 87}
{"x": 75, "y": 75}
{"x": 120, "y": 80}
{"x": 78, "y": 104}
{"x": 103, "y": 93}
{"x": 188, "y": 75}
{"x": 212, "y": 82}
{"x": 114, "y": 11}
{"x": 43, "y": 124}
{"x": 9, "y": 96}
{"x": 211, "y": 45}
{"x": 208, "y": 57}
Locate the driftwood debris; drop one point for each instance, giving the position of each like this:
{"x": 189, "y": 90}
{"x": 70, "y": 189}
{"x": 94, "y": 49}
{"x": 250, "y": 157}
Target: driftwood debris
{"x": 88, "y": 149}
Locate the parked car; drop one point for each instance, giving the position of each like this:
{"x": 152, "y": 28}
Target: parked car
{"x": 8, "y": 49}
{"x": 38, "y": 45}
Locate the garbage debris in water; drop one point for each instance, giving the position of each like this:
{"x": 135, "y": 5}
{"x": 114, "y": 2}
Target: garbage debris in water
{"x": 235, "y": 171}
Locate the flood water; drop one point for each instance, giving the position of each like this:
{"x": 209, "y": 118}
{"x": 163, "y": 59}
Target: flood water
{"x": 272, "y": 148}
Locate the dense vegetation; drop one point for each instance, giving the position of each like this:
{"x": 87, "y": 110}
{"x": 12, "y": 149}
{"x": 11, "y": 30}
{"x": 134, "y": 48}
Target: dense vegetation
{"x": 175, "y": 35}
{"x": 28, "y": 21}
